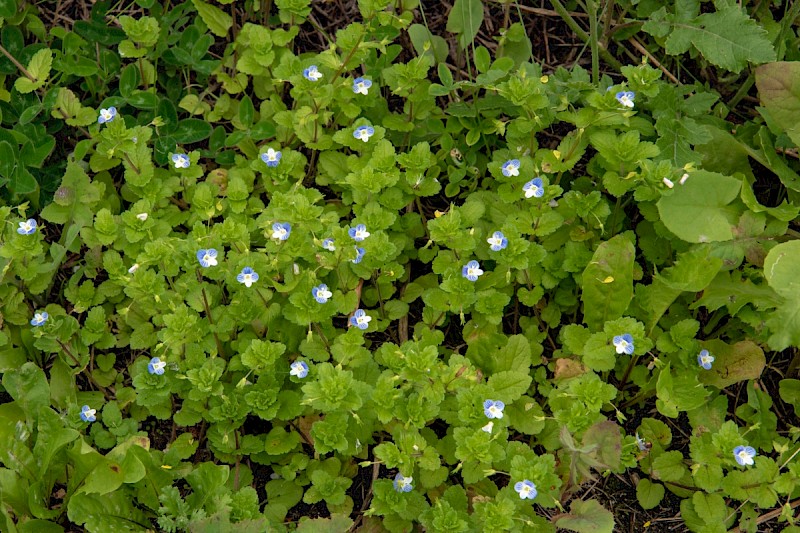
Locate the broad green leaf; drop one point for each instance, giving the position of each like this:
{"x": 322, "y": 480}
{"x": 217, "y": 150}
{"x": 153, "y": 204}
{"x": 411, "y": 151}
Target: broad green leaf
{"x": 112, "y": 513}
{"x": 28, "y": 386}
{"x": 509, "y": 385}
{"x": 789, "y": 390}
{"x": 779, "y": 91}
{"x": 649, "y": 494}
{"x": 608, "y": 282}
{"x": 426, "y": 43}
{"x": 335, "y": 524}
{"x": 586, "y": 517}
{"x": 780, "y": 269}
{"x": 8, "y": 8}
{"x": 733, "y": 363}
{"x": 216, "y": 19}
{"x": 727, "y": 38}
{"x": 192, "y": 130}
{"x": 39, "y": 69}
{"x": 700, "y": 210}
{"x": 465, "y": 19}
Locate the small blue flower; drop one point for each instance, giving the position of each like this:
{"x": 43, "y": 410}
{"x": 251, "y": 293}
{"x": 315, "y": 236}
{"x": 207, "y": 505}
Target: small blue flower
{"x": 359, "y": 233}
{"x": 472, "y": 270}
{"x": 248, "y": 276}
{"x": 497, "y": 241}
{"x": 493, "y": 408}
{"x": 364, "y": 133}
{"x": 312, "y": 74}
{"x": 156, "y": 366}
{"x": 271, "y": 157}
{"x": 207, "y": 258}
{"x": 39, "y": 319}
{"x": 534, "y": 188}
{"x": 360, "y": 253}
{"x": 107, "y": 115}
{"x": 88, "y": 414}
{"x": 640, "y": 443}
{"x": 360, "y": 319}
{"x": 321, "y": 293}
{"x": 181, "y": 160}
{"x": 281, "y": 230}
{"x": 705, "y": 359}
{"x": 361, "y": 85}
{"x": 626, "y": 98}
{"x": 744, "y": 455}
{"x": 511, "y": 168}
{"x": 526, "y": 489}
{"x": 402, "y": 483}
{"x": 623, "y": 344}
{"x": 27, "y": 227}
{"x": 328, "y": 245}
{"x": 299, "y": 369}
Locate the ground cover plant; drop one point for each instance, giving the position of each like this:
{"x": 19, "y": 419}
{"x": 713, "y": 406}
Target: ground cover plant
{"x": 384, "y": 266}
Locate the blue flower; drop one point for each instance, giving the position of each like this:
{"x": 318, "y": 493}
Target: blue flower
{"x": 321, "y": 293}
{"x": 328, "y": 245}
{"x": 360, "y": 253}
{"x": 535, "y": 187}
{"x": 181, "y": 160}
{"x": 299, "y": 369}
{"x": 526, "y": 489}
{"x": 497, "y": 241}
{"x": 207, "y": 258}
{"x": 493, "y": 408}
{"x": 359, "y": 233}
{"x": 623, "y": 343}
{"x": 360, "y": 319}
{"x": 705, "y": 359}
{"x": 402, "y": 483}
{"x": 626, "y": 98}
{"x": 312, "y": 74}
{"x": 744, "y": 455}
{"x": 248, "y": 276}
{"x": 281, "y": 230}
{"x": 361, "y": 85}
{"x": 88, "y": 414}
{"x": 39, "y": 318}
{"x": 271, "y": 157}
{"x": 511, "y": 168}
{"x": 107, "y": 115}
{"x": 364, "y": 133}
{"x": 156, "y": 366}
{"x": 471, "y": 271}
{"x": 27, "y": 227}
{"x": 640, "y": 443}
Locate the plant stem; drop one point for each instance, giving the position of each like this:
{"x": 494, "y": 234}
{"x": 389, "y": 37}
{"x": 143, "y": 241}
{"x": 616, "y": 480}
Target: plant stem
{"x": 17, "y": 63}
{"x": 562, "y": 11}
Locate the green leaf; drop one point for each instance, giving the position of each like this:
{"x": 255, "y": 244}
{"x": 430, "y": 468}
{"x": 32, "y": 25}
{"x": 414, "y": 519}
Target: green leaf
{"x": 733, "y": 363}
{"x": 699, "y": 211}
{"x": 425, "y": 42}
{"x": 779, "y": 91}
{"x": 334, "y": 524}
{"x": 112, "y": 513}
{"x": 789, "y": 390}
{"x": 509, "y": 385}
{"x": 779, "y": 269}
{"x": 608, "y": 282}
{"x": 465, "y": 19}
{"x": 649, "y": 494}
{"x": 586, "y": 517}
{"x": 192, "y": 130}
{"x": 39, "y": 69}
{"x": 727, "y": 38}
{"x": 216, "y": 19}
{"x": 8, "y": 8}
{"x": 28, "y": 386}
